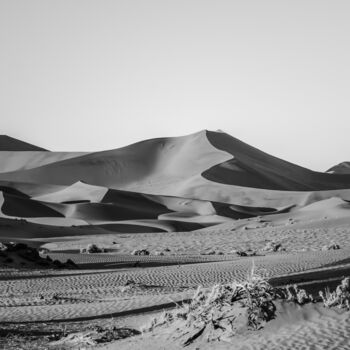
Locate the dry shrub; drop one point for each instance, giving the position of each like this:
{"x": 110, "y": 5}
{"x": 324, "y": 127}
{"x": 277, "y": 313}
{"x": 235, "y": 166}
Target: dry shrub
{"x": 273, "y": 247}
{"x": 217, "y": 313}
{"x": 226, "y": 309}
{"x": 91, "y": 338}
{"x": 331, "y": 246}
{"x": 3, "y": 247}
{"x": 298, "y": 295}
{"x": 340, "y": 297}
{"x": 140, "y": 252}
{"x": 93, "y": 248}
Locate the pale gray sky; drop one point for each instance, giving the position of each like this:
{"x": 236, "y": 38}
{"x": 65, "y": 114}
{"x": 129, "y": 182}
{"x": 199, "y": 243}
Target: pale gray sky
{"x": 93, "y": 75}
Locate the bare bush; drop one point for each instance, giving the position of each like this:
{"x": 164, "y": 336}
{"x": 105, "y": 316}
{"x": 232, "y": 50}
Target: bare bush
{"x": 331, "y": 246}
{"x": 340, "y": 297}
{"x": 215, "y": 313}
{"x": 93, "y": 248}
{"x": 298, "y": 295}
{"x": 140, "y": 252}
{"x": 273, "y": 247}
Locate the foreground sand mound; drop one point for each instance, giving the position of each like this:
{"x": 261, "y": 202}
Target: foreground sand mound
{"x": 310, "y": 326}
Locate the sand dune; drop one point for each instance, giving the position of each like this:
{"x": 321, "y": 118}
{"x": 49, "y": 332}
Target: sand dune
{"x": 206, "y": 166}
{"x": 22, "y": 160}
{"x": 220, "y": 157}
{"x": 29, "y": 189}
{"x": 253, "y": 168}
{"x": 342, "y": 168}
{"x": 166, "y": 184}
{"x": 8, "y": 143}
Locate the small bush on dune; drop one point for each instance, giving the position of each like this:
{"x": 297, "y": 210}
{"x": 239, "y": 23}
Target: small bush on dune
{"x": 15, "y": 247}
{"x": 331, "y": 246}
{"x": 140, "y": 252}
{"x": 93, "y": 248}
{"x": 208, "y": 252}
{"x": 248, "y": 252}
{"x": 44, "y": 251}
{"x": 71, "y": 264}
{"x": 273, "y": 247}
{"x": 298, "y": 295}
{"x": 157, "y": 253}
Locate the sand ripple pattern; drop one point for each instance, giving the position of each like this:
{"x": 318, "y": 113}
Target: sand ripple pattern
{"x": 93, "y": 289}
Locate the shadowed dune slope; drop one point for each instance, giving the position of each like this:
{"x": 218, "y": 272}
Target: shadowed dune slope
{"x": 30, "y": 189}
{"x": 25, "y": 207}
{"x": 251, "y": 167}
{"x": 121, "y": 211}
{"x": 8, "y": 143}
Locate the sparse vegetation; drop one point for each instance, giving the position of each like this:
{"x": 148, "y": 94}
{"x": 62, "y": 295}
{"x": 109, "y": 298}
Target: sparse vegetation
{"x": 331, "y": 246}
{"x": 248, "y": 252}
{"x": 208, "y": 252}
{"x": 218, "y": 313}
{"x": 157, "y": 253}
{"x": 21, "y": 255}
{"x": 273, "y": 247}
{"x": 3, "y": 247}
{"x": 93, "y": 248}
{"x": 340, "y": 297}
{"x": 44, "y": 251}
{"x": 140, "y": 252}
{"x": 96, "y": 335}
{"x": 298, "y": 295}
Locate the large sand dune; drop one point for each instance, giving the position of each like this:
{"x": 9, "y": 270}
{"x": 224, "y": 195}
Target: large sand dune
{"x": 205, "y": 178}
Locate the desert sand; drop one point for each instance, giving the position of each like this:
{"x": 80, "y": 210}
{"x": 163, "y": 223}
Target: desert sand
{"x": 204, "y": 209}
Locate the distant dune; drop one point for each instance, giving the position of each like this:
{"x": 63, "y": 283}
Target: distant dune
{"x": 8, "y": 143}
{"x": 163, "y": 184}
{"x": 342, "y": 168}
